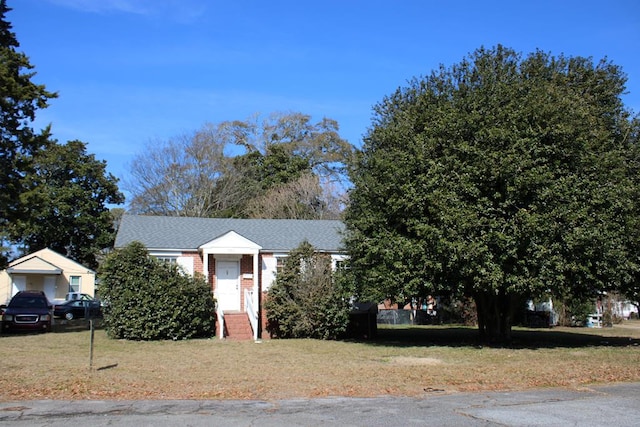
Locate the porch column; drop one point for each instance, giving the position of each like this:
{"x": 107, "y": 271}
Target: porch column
{"x": 255, "y": 273}
{"x": 256, "y": 296}
{"x": 205, "y": 266}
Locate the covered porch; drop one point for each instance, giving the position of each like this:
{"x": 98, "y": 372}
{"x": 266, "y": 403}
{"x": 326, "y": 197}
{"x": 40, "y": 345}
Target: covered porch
{"x": 231, "y": 265}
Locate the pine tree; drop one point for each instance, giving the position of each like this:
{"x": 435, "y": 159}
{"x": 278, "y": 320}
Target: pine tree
{"x": 20, "y": 98}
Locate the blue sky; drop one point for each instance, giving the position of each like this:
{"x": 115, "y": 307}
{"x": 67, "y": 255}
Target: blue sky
{"x": 133, "y": 71}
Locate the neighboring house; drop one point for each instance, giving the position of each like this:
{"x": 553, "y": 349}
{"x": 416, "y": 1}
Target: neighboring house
{"x": 48, "y": 271}
{"x": 615, "y": 305}
{"x": 238, "y": 257}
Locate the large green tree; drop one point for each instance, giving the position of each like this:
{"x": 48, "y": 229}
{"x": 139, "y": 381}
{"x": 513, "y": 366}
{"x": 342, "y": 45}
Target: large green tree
{"x": 64, "y": 204}
{"x": 630, "y": 222}
{"x": 500, "y": 178}
{"x": 20, "y": 98}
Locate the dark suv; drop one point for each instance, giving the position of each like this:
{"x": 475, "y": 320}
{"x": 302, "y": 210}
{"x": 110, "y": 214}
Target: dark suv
{"x": 27, "y": 311}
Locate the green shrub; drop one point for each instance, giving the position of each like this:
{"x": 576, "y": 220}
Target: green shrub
{"x": 458, "y": 310}
{"x": 147, "y": 299}
{"x": 305, "y": 301}
{"x": 579, "y": 309}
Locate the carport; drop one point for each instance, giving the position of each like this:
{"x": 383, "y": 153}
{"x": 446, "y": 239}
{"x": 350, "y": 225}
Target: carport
{"x": 36, "y": 274}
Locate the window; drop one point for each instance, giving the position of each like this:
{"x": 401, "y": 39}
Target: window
{"x": 279, "y": 264}
{"x": 74, "y": 284}
{"x": 168, "y": 259}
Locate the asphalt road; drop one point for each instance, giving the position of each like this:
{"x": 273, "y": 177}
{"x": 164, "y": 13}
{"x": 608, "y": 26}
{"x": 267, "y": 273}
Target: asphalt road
{"x": 610, "y": 405}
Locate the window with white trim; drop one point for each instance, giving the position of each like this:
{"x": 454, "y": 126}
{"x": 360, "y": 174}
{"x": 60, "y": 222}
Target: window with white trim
{"x": 74, "y": 284}
{"x": 279, "y": 263}
{"x": 168, "y": 259}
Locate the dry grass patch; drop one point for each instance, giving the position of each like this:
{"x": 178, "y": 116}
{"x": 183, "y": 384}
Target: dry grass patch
{"x": 414, "y": 361}
{"x": 402, "y": 361}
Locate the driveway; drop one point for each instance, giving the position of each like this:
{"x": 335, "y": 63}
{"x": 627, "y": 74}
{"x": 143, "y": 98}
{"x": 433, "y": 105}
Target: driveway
{"x": 617, "y": 405}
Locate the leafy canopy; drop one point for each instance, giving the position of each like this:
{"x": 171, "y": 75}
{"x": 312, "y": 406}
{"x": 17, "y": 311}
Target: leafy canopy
{"x": 64, "y": 204}
{"x": 499, "y": 178}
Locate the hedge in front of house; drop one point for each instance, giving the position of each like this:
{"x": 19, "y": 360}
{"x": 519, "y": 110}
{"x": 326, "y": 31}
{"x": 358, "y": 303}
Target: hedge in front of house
{"x": 306, "y": 301}
{"x": 146, "y": 299}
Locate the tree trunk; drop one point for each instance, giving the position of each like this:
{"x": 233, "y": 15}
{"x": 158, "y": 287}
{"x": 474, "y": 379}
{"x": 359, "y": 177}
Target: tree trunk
{"x": 495, "y": 315}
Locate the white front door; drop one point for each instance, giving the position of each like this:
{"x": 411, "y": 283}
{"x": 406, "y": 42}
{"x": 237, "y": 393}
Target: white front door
{"x": 228, "y": 285}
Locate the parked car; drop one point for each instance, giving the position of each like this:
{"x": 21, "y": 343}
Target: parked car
{"x": 78, "y": 308}
{"x": 27, "y": 311}
{"x": 78, "y": 296}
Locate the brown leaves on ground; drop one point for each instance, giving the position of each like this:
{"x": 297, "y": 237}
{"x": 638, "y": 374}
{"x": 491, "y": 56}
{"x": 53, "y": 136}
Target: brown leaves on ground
{"x": 401, "y": 362}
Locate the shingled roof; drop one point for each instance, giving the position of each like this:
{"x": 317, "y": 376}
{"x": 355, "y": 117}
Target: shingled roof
{"x": 184, "y": 233}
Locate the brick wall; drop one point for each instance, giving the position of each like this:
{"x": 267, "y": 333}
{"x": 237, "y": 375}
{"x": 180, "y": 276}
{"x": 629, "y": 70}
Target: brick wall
{"x": 212, "y": 272}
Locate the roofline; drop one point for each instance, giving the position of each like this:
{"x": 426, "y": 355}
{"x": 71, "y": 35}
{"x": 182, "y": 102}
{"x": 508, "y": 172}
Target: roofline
{"x": 35, "y": 254}
{"x": 263, "y": 250}
{"x": 172, "y": 249}
{"x": 11, "y": 270}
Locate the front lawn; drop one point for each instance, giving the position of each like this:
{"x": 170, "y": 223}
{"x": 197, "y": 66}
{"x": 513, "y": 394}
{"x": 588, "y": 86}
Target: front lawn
{"x": 407, "y": 361}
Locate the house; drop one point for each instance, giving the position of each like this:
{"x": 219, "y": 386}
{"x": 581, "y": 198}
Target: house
{"x": 48, "y": 271}
{"x": 238, "y": 257}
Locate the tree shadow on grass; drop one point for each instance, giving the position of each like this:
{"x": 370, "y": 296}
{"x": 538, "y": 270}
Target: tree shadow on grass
{"x": 459, "y": 336}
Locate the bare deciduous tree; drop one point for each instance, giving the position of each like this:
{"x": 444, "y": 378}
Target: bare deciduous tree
{"x": 270, "y": 168}
{"x": 303, "y": 198}
{"x": 182, "y": 177}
